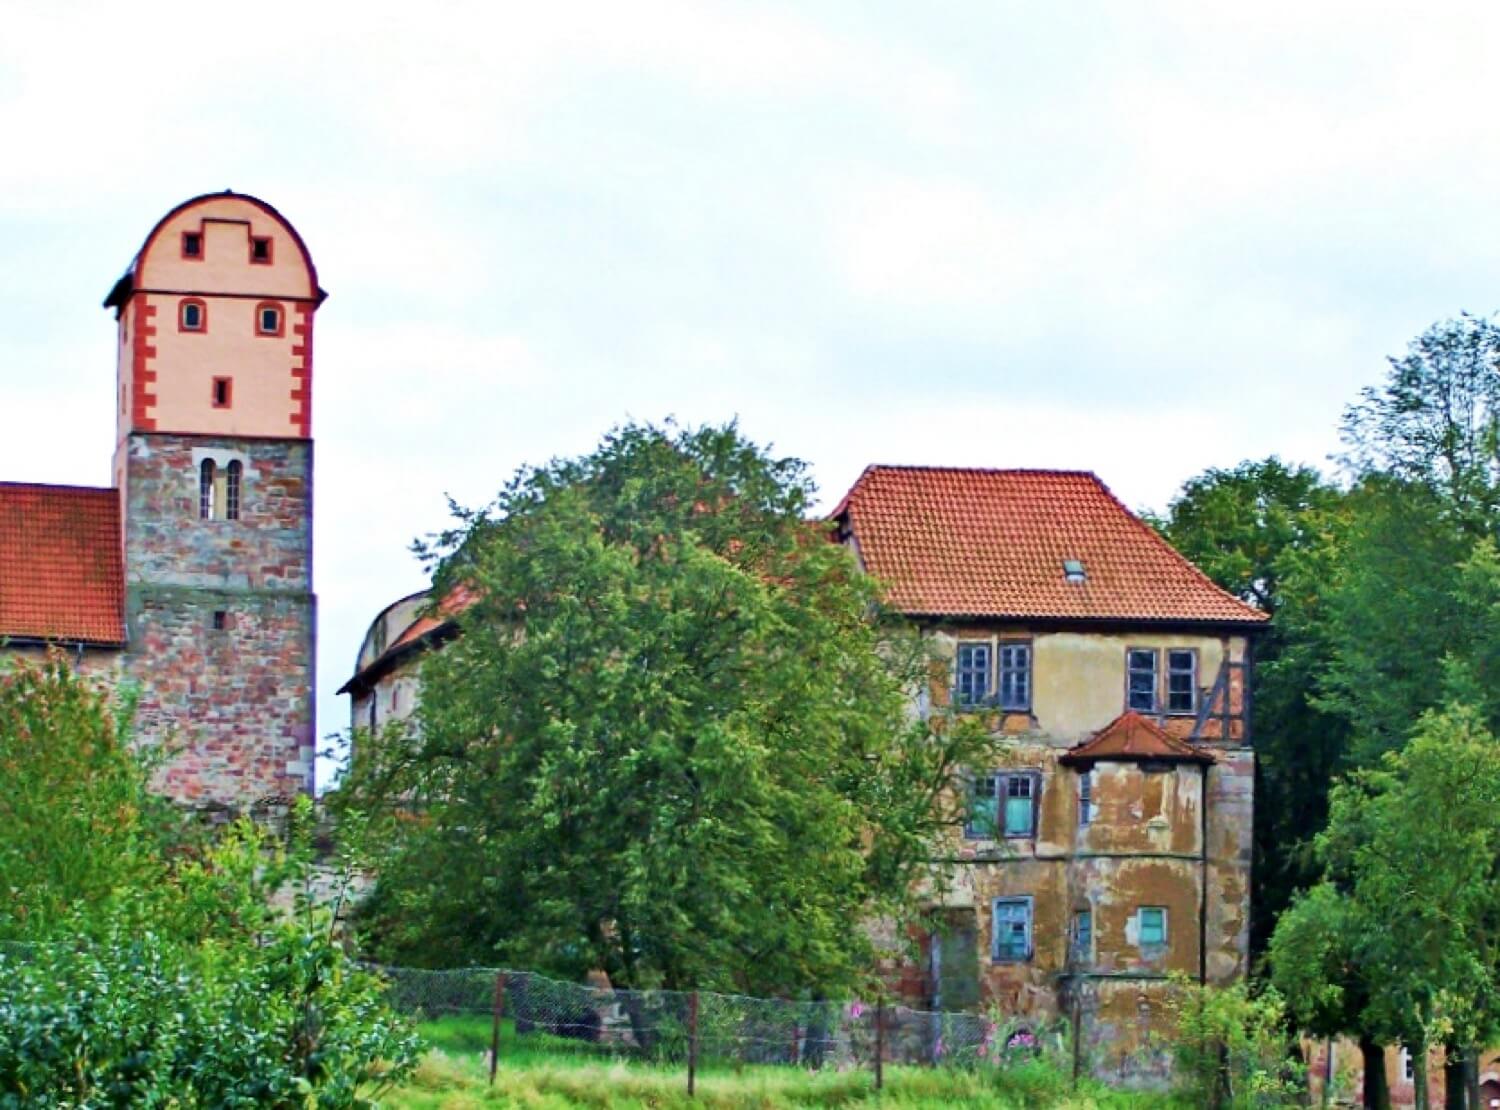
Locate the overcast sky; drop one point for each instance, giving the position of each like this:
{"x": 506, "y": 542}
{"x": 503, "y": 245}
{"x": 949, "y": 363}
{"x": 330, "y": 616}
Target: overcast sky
{"x": 1142, "y": 239}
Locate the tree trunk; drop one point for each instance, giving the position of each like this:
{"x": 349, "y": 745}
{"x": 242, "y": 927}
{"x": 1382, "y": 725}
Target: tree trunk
{"x": 1372, "y": 1059}
{"x": 1471, "y": 1077}
{"x": 1454, "y": 1088}
{"x": 1419, "y": 1076}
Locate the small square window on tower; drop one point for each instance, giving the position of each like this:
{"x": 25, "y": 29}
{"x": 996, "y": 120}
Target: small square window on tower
{"x": 223, "y": 393}
{"x": 192, "y": 315}
{"x": 221, "y": 620}
{"x": 192, "y": 244}
{"x": 260, "y": 249}
{"x": 269, "y": 319}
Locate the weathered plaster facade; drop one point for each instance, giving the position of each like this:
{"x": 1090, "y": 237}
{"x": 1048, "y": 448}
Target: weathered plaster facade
{"x": 1158, "y": 834}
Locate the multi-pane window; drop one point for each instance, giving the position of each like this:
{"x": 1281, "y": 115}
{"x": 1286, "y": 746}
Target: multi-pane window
{"x": 1082, "y": 939}
{"x": 1011, "y": 934}
{"x": 1141, "y": 689}
{"x": 232, "y": 490}
{"x": 219, "y": 490}
{"x": 1151, "y": 926}
{"x": 1003, "y": 805}
{"x": 1015, "y": 676}
{"x": 206, "y": 489}
{"x": 1086, "y": 797}
{"x": 972, "y": 674}
{"x": 1182, "y": 680}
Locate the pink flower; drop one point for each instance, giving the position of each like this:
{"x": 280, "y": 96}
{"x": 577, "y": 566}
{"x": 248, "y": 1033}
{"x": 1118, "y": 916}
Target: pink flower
{"x": 856, "y": 1010}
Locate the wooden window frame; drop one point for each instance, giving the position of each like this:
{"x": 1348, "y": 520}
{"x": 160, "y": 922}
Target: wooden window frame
{"x": 1029, "y": 904}
{"x": 1155, "y": 654}
{"x": 208, "y": 479}
{"x": 1024, "y": 706}
{"x": 989, "y": 674}
{"x": 1080, "y": 952}
{"x": 1166, "y": 678}
{"x": 1003, "y": 777}
{"x": 234, "y": 490}
{"x": 202, "y": 307}
{"x": 1166, "y": 932}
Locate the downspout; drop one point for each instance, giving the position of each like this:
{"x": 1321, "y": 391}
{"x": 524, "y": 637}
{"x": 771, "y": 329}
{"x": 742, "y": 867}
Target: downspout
{"x": 1203, "y": 874}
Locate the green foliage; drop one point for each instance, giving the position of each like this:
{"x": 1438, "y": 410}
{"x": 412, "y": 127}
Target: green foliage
{"x": 193, "y": 979}
{"x": 1436, "y": 419}
{"x": 76, "y": 820}
{"x": 1401, "y": 941}
{"x": 672, "y": 741}
{"x": 1232, "y": 1048}
{"x": 1273, "y": 534}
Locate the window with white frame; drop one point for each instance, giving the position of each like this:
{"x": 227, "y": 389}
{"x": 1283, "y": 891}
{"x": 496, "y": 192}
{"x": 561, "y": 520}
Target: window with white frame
{"x": 1086, "y": 797}
{"x": 1010, "y": 937}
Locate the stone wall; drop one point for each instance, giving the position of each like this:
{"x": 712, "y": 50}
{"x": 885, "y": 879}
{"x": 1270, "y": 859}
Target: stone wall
{"x": 221, "y": 618}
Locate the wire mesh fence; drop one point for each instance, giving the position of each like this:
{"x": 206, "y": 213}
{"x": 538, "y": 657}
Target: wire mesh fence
{"x": 697, "y": 1029}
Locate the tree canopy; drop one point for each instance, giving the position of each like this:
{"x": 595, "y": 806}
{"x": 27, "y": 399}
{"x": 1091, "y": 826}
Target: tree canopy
{"x": 673, "y": 740}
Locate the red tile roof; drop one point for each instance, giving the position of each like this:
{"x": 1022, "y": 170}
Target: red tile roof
{"x": 1133, "y": 738}
{"x": 61, "y": 570}
{"x": 429, "y": 625}
{"x": 991, "y": 543}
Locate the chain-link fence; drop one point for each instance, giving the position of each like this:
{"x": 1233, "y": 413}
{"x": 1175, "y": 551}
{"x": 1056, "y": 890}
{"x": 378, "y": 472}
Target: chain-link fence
{"x": 702, "y": 1029}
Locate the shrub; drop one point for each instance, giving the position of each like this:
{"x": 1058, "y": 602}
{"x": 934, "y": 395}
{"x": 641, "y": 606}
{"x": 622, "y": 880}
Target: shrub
{"x": 1232, "y": 1047}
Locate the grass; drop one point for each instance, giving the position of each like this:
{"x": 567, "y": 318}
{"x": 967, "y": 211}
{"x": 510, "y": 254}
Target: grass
{"x": 556, "y": 1076}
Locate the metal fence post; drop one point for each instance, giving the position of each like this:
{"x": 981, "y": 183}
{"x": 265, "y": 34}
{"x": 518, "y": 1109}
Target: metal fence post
{"x": 495, "y": 1027}
{"x": 880, "y": 1041}
{"x": 692, "y": 1042}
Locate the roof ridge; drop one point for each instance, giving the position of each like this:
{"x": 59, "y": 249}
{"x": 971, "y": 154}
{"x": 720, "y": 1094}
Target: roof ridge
{"x": 58, "y": 486}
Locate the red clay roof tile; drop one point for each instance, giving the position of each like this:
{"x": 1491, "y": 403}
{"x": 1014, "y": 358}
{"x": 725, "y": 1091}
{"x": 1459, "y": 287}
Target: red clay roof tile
{"x": 992, "y": 543}
{"x": 1131, "y": 737}
{"x": 61, "y": 570}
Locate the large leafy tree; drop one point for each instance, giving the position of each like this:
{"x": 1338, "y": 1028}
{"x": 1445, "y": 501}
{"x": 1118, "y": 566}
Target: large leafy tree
{"x": 1436, "y": 418}
{"x": 674, "y": 740}
{"x": 1401, "y": 939}
{"x": 1270, "y": 533}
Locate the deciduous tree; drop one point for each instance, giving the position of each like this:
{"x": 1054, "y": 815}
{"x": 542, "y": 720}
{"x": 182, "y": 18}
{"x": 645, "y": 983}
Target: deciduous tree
{"x": 673, "y": 741}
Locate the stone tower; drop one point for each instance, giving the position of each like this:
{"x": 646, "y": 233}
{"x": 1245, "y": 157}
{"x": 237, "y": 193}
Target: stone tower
{"x": 213, "y": 463}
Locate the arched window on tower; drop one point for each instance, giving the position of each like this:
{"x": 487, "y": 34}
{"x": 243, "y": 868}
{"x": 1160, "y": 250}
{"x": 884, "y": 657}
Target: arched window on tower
{"x": 206, "y": 490}
{"x": 232, "y": 490}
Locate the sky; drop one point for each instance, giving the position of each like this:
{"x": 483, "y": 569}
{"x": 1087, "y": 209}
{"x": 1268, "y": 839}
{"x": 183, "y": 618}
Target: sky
{"x": 1142, "y": 239}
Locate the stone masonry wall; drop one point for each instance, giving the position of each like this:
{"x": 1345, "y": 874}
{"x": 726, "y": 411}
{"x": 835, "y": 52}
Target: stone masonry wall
{"x": 221, "y": 618}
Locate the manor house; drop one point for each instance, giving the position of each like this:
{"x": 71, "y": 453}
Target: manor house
{"x": 190, "y": 577}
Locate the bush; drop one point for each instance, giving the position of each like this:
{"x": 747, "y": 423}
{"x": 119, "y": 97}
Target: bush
{"x": 1232, "y": 1048}
{"x": 204, "y": 995}
{"x": 137, "y": 970}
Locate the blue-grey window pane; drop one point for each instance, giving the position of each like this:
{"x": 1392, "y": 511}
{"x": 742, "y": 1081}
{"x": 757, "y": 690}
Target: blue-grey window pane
{"x": 1012, "y": 929}
{"x": 1015, "y": 676}
{"x": 972, "y": 685}
{"x": 1153, "y": 926}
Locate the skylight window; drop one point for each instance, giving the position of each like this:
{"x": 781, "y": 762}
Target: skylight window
{"x": 1073, "y": 570}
